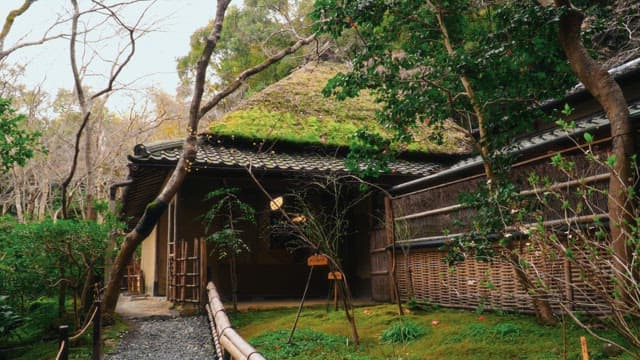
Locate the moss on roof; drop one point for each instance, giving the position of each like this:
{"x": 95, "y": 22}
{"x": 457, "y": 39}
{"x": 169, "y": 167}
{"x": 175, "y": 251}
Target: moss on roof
{"x": 294, "y": 109}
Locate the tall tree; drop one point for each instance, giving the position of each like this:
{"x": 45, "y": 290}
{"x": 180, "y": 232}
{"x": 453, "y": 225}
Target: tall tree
{"x": 608, "y": 93}
{"x": 253, "y": 33}
{"x": 133, "y": 32}
{"x": 197, "y": 110}
{"x": 482, "y": 65}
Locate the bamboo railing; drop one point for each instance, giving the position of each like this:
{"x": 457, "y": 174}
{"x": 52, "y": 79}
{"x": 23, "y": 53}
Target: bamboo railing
{"x": 96, "y": 321}
{"x": 226, "y": 339}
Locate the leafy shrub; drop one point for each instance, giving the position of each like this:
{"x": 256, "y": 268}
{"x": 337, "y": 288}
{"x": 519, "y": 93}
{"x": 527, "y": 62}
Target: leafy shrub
{"x": 402, "y": 331}
{"x": 506, "y": 331}
{"x": 10, "y": 320}
{"x": 478, "y": 331}
{"x": 486, "y": 332}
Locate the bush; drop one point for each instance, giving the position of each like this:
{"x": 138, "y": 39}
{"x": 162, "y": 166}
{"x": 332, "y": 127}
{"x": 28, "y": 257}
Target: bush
{"x": 402, "y": 331}
{"x": 506, "y": 331}
{"x": 10, "y": 320}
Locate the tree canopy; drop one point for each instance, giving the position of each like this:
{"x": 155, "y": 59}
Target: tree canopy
{"x": 253, "y": 32}
{"x": 508, "y": 51}
{"x": 17, "y": 144}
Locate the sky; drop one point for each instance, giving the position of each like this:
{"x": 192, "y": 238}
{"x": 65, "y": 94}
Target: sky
{"x": 154, "y": 63}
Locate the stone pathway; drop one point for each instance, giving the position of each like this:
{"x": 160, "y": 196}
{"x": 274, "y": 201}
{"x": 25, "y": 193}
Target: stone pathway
{"x": 184, "y": 338}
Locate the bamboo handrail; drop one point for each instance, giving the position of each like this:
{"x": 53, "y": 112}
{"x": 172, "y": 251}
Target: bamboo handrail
{"x": 221, "y": 330}
{"x": 85, "y": 327}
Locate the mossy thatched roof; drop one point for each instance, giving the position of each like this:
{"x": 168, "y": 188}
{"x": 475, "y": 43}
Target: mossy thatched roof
{"x": 294, "y": 110}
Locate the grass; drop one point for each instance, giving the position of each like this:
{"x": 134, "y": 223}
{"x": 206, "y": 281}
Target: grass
{"x": 295, "y": 110}
{"x": 449, "y": 334}
{"x": 37, "y": 338}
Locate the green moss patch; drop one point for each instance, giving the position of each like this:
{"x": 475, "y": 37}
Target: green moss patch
{"x": 295, "y": 110}
{"x": 449, "y": 334}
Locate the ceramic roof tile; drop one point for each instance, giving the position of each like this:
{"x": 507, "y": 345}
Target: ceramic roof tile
{"x": 215, "y": 154}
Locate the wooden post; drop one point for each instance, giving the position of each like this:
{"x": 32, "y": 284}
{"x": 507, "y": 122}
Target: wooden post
{"x": 335, "y": 295}
{"x": 391, "y": 241}
{"x": 585, "y": 350}
{"x": 568, "y": 285}
{"x": 97, "y": 332}
{"x": 64, "y": 342}
{"x": 203, "y": 270}
{"x": 389, "y": 231}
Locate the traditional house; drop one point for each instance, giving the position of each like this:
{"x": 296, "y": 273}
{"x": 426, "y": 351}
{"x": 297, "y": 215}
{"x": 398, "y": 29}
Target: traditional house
{"x": 286, "y": 134}
{"x": 430, "y": 216}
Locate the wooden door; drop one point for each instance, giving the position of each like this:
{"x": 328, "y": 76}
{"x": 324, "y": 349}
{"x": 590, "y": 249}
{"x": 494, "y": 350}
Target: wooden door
{"x": 380, "y": 285}
{"x": 186, "y": 277}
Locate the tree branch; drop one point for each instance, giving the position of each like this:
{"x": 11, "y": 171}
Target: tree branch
{"x": 252, "y": 71}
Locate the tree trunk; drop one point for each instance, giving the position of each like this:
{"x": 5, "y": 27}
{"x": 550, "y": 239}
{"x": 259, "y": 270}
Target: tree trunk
{"x": 62, "y": 292}
{"x": 90, "y": 212}
{"x": 544, "y": 313}
{"x": 608, "y": 93}
{"x": 541, "y": 307}
{"x": 156, "y": 208}
{"x": 234, "y": 282}
{"x": 196, "y": 111}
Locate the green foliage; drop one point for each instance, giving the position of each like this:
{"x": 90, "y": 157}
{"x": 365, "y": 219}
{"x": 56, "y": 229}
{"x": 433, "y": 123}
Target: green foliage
{"x": 231, "y": 211}
{"x": 17, "y": 145}
{"x": 306, "y": 344}
{"x": 10, "y": 320}
{"x": 403, "y": 331}
{"x": 507, "y": 50}
{"x": 501, "y": 331}
{"x": 506, "y": 331}
{"x": 37, "y": 255}
{"x": 460, "y": 335}
{"x": 496, "y": 207}
{"x": 369, "y": 154}
{"x": 250, "y": 33}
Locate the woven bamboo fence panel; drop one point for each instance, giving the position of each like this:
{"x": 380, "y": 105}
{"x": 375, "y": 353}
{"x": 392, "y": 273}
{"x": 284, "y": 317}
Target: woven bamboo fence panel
{"x": 431, "y": 212}
{"x": 425, "y": 276}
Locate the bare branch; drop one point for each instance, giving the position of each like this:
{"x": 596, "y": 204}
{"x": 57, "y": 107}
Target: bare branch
{"x": 8, "y": 22}
{"x": 252, "y": 71}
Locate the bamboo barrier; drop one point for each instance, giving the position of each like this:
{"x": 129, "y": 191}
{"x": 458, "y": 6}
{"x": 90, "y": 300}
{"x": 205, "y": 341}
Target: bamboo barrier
{"x": 223, "y": 333}
{"x": 94, "y": 319}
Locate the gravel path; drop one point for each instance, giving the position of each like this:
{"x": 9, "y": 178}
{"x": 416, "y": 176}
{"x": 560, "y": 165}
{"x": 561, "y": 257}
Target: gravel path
{"x": 184, "y": 338}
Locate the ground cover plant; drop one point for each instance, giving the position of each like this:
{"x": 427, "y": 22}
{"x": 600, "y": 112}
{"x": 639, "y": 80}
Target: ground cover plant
{"x": 449, "y": 334}
{"x": 37, "y": 335}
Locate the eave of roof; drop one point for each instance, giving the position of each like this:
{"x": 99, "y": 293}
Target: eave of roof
{"x": 228, "y": 152}
{"x": 528, "y": 145}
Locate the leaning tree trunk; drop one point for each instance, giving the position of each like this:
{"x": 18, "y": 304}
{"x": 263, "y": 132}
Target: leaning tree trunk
{"x": 196, "y": 111}
{"x": 608, "y": 93}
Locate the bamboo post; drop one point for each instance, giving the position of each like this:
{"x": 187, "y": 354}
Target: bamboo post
{"x": 335, "y": 295}
{"x": 97, "y": 324}
{"x": 568, "y": 284}
{"x": 64, "y": 342}
{"x": 585, "y": 350}
{"x": 233, "y": 344}
{"x": 391, "y": 241}
{"x": 304, "y": 295}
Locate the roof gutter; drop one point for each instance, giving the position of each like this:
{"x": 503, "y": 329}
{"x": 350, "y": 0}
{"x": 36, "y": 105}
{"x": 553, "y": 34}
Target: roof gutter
{"x": 467, "y": 167}
{"x": 114, "y": 188}
{"x": 405, "y": 187}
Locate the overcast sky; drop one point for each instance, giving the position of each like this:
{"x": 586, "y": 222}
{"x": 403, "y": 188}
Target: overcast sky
{"x": 153, "y": 65}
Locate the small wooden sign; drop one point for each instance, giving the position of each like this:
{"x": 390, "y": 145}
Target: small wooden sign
{"x": 334, "y": 275}
{"x": 317, "y": 260}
